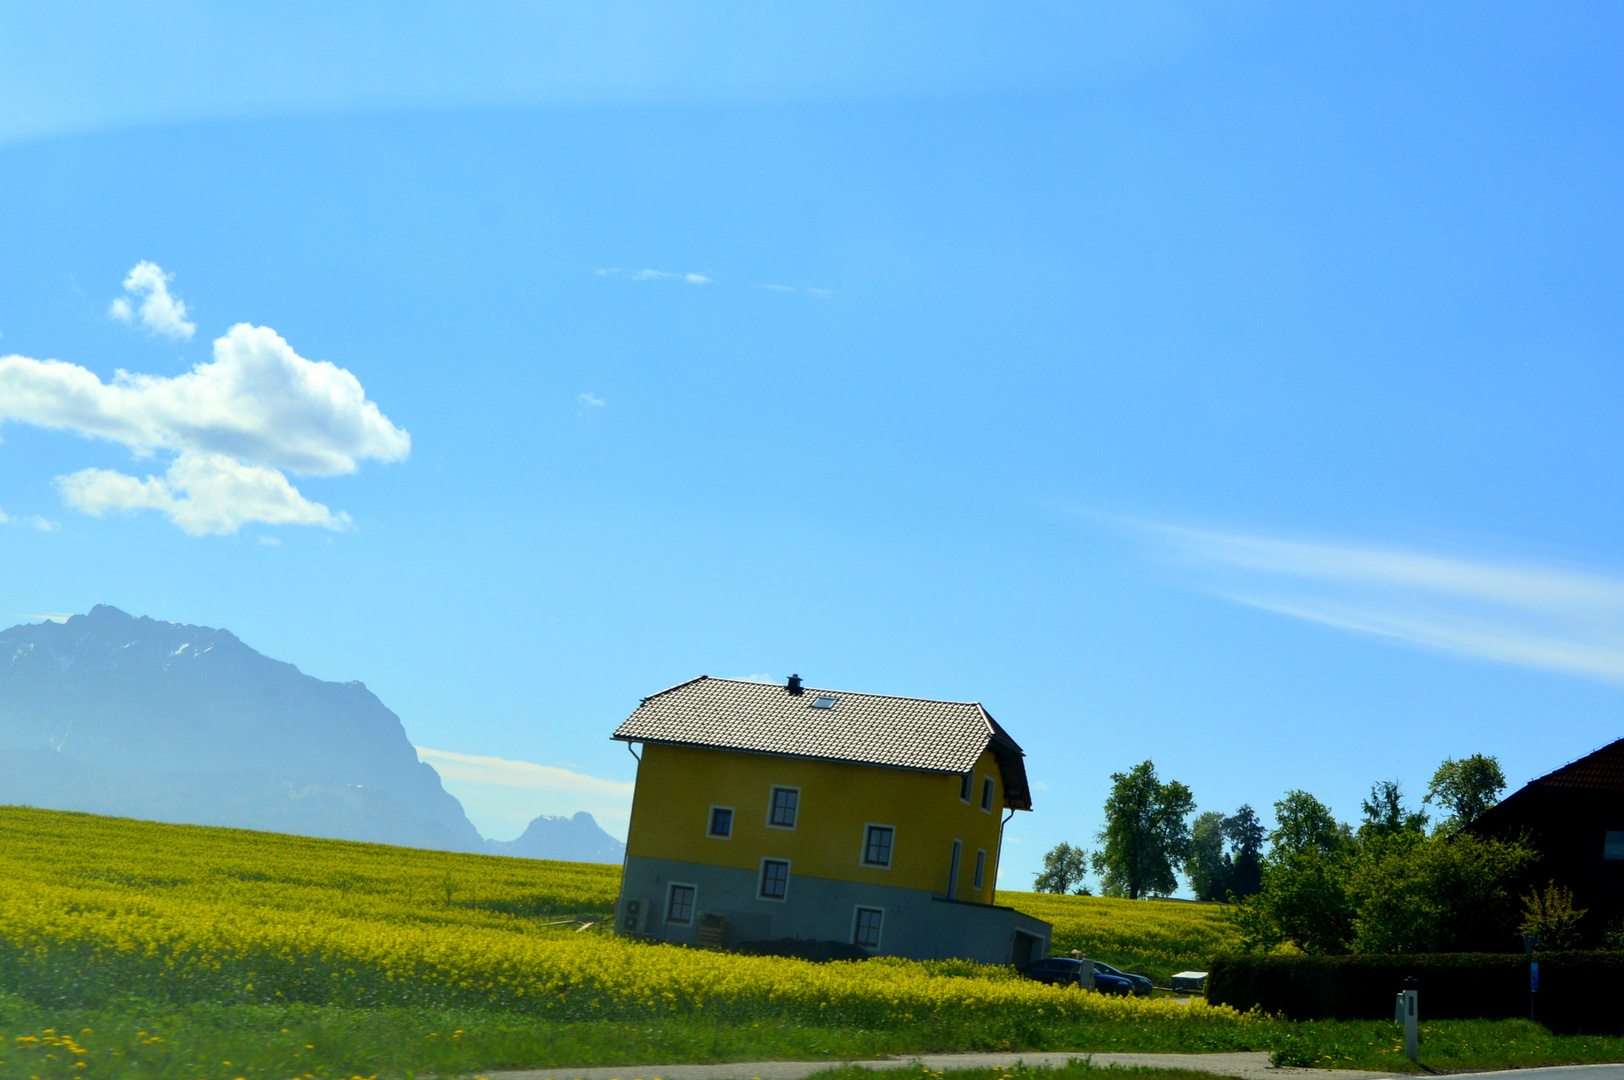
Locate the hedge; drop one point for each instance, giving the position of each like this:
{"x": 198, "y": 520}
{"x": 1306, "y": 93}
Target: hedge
{"x": 1578, "y": 992}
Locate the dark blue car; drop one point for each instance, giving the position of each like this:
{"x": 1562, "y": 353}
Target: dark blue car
{"x": 1064, "y": 971}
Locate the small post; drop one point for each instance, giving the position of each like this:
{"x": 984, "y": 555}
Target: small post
{"x": 1085, "y": 970}
{"x": 1530, "y": 941}
{"x": 1412, "y": 1019}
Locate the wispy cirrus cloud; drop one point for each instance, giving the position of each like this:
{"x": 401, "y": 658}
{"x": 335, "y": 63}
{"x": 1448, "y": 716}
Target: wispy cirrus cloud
{"x": 821, "y": 294}
{"x": 502, "y": 796}
{"x": 654, "y": 275}
{"x": 1553, "y": 618}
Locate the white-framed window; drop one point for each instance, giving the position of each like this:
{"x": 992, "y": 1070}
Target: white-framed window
{"x": 679, "y": 904}
{"x": 877, "y": 843}
{"x": 721, "y": 823}
{"x": 774, "y": 880}
{"x": 867, "y": 923}
{"x": 986, "y": 794}
{"x": 783, "y": 807}
{"x": 981, "y": 868}
{"x": 1612, "y": 848}
{"x": 965, "y": 783}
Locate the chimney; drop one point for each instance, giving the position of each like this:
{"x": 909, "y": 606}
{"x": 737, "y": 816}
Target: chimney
{"x": 794, "y": 685}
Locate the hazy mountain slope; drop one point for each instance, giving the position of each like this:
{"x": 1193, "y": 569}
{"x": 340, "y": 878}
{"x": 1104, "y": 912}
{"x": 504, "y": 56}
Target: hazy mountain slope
{"x": 570, "y": 839}
{"x": 132, "y": 716}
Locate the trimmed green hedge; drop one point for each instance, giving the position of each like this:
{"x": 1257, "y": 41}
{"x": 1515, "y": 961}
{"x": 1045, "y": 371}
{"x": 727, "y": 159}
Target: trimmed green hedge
{"x": 1578, "y": 991}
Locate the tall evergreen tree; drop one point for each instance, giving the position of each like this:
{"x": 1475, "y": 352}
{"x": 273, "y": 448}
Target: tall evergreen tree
{"x": 1244, "y": 860}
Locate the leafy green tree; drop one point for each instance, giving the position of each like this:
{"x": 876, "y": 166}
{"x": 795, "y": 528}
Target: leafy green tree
{"x": 1438, "y": 894}
{"x": 1465, "y": 788}
{"x": 1392, "y": 892}
{"x": 1145, "y": 835}
{"x": 1205, "y": 865}
{"x": 1305, "y": 897}
{"x": 1064, "y": 868}
{"x": 1303, "y": 823}
{"x": 1244, "y": 861}
{"x": 1385, "y": 814}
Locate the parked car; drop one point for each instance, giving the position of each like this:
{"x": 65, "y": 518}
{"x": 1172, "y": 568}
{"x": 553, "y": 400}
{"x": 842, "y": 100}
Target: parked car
{"x": 1064, "y": 971}
{"x": 1141, "y": 985}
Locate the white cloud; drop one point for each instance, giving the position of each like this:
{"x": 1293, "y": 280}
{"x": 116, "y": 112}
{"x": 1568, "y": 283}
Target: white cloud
{"x": 41, "y": 523}
{"x": 52, "y": 616}
{"x": 592, "y": 400}
{"x": 654, "y": 275}
{"x": 3, "y": 518}
{"x": 762, "y": 678}
{"x": 778, "y": 288}
{"x": 1552, "y": 618}
{"x": 159, "y": 311}
{"x": 270, "y": 541}
{"x": 258, "y": 401}
{"x": 502, "y": 796}
{"x": 821, "y": 294}
{"x": 202, "y": 493}
{"x": 234, "y": 423}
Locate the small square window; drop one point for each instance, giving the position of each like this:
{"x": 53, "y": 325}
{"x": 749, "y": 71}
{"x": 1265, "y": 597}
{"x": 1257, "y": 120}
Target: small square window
{"x": 866, "y": 927}
{"x": 1613, "y": 846}
{"x": 825, "y": 702}
{"x": 986, "y": 794}
{"x": 774, "y": 879}
{"x": 721, "y": 822}
{"x": 877, "y": 845}
{"x": 785, "y": 803}
{"x": 981, "y": 869}
{"x": 680, "y": 908}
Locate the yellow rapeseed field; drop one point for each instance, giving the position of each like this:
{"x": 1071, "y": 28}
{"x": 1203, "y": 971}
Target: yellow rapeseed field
{"x": 1162, "y": 934}
{"x": 94, "y": 905}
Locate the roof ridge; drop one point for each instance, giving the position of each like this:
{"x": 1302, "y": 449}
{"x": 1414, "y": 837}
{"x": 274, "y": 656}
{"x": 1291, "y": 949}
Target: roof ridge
{"x": 834, "y": 690}
{"x": 1581, "y": 758}
{"x": 680, "y": 685}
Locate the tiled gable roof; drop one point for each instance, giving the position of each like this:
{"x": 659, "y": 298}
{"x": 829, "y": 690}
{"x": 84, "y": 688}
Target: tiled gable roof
{"x": 1602, "y": 770}
{"x": 866, "y": 729}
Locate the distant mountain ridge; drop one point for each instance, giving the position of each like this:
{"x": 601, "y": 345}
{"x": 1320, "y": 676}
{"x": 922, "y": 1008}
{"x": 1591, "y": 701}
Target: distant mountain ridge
{"x": 571, "y": 839}
{"x": 134, "y": 717}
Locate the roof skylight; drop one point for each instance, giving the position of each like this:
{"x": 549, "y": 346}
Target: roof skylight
{"x": 825, "y": 702}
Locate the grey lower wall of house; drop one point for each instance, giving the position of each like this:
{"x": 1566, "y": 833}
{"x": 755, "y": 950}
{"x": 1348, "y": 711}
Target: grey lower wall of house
{"x": 915, "y": 924}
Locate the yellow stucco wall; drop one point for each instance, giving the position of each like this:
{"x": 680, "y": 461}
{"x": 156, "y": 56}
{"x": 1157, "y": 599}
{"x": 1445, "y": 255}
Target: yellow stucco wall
{"x": 677, "y": 786}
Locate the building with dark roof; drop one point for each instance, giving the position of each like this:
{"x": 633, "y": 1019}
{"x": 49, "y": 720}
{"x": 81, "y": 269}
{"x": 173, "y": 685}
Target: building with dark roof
{"x": 1574, "y": 818}
{"x": 765, "y": 812}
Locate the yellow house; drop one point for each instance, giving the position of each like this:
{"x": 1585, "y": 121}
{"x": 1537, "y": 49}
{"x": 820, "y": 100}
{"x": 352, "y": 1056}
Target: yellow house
{"x": 765, "y": 812}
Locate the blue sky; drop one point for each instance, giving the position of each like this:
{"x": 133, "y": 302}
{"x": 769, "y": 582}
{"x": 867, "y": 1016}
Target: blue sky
{"x": 1231, "y": 385}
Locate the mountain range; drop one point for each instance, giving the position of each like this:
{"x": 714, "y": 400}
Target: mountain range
{"x": 134, "y": 717}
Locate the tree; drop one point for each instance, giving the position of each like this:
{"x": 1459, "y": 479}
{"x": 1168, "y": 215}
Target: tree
{"x": 1145, "y": 834}
{"x": 1064, "y": 866}
{"x": 1244, "y": 862}
{"x": 1385, "y": 814}
{"x": 1415, "y": 894}
{"x": 1205, "y": 865}
{"x": 1303, "y": 823}
{"x": 1399, "y": 892}
{"x": 1465, "y": 788}
{"x": 1552, "y": 916}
